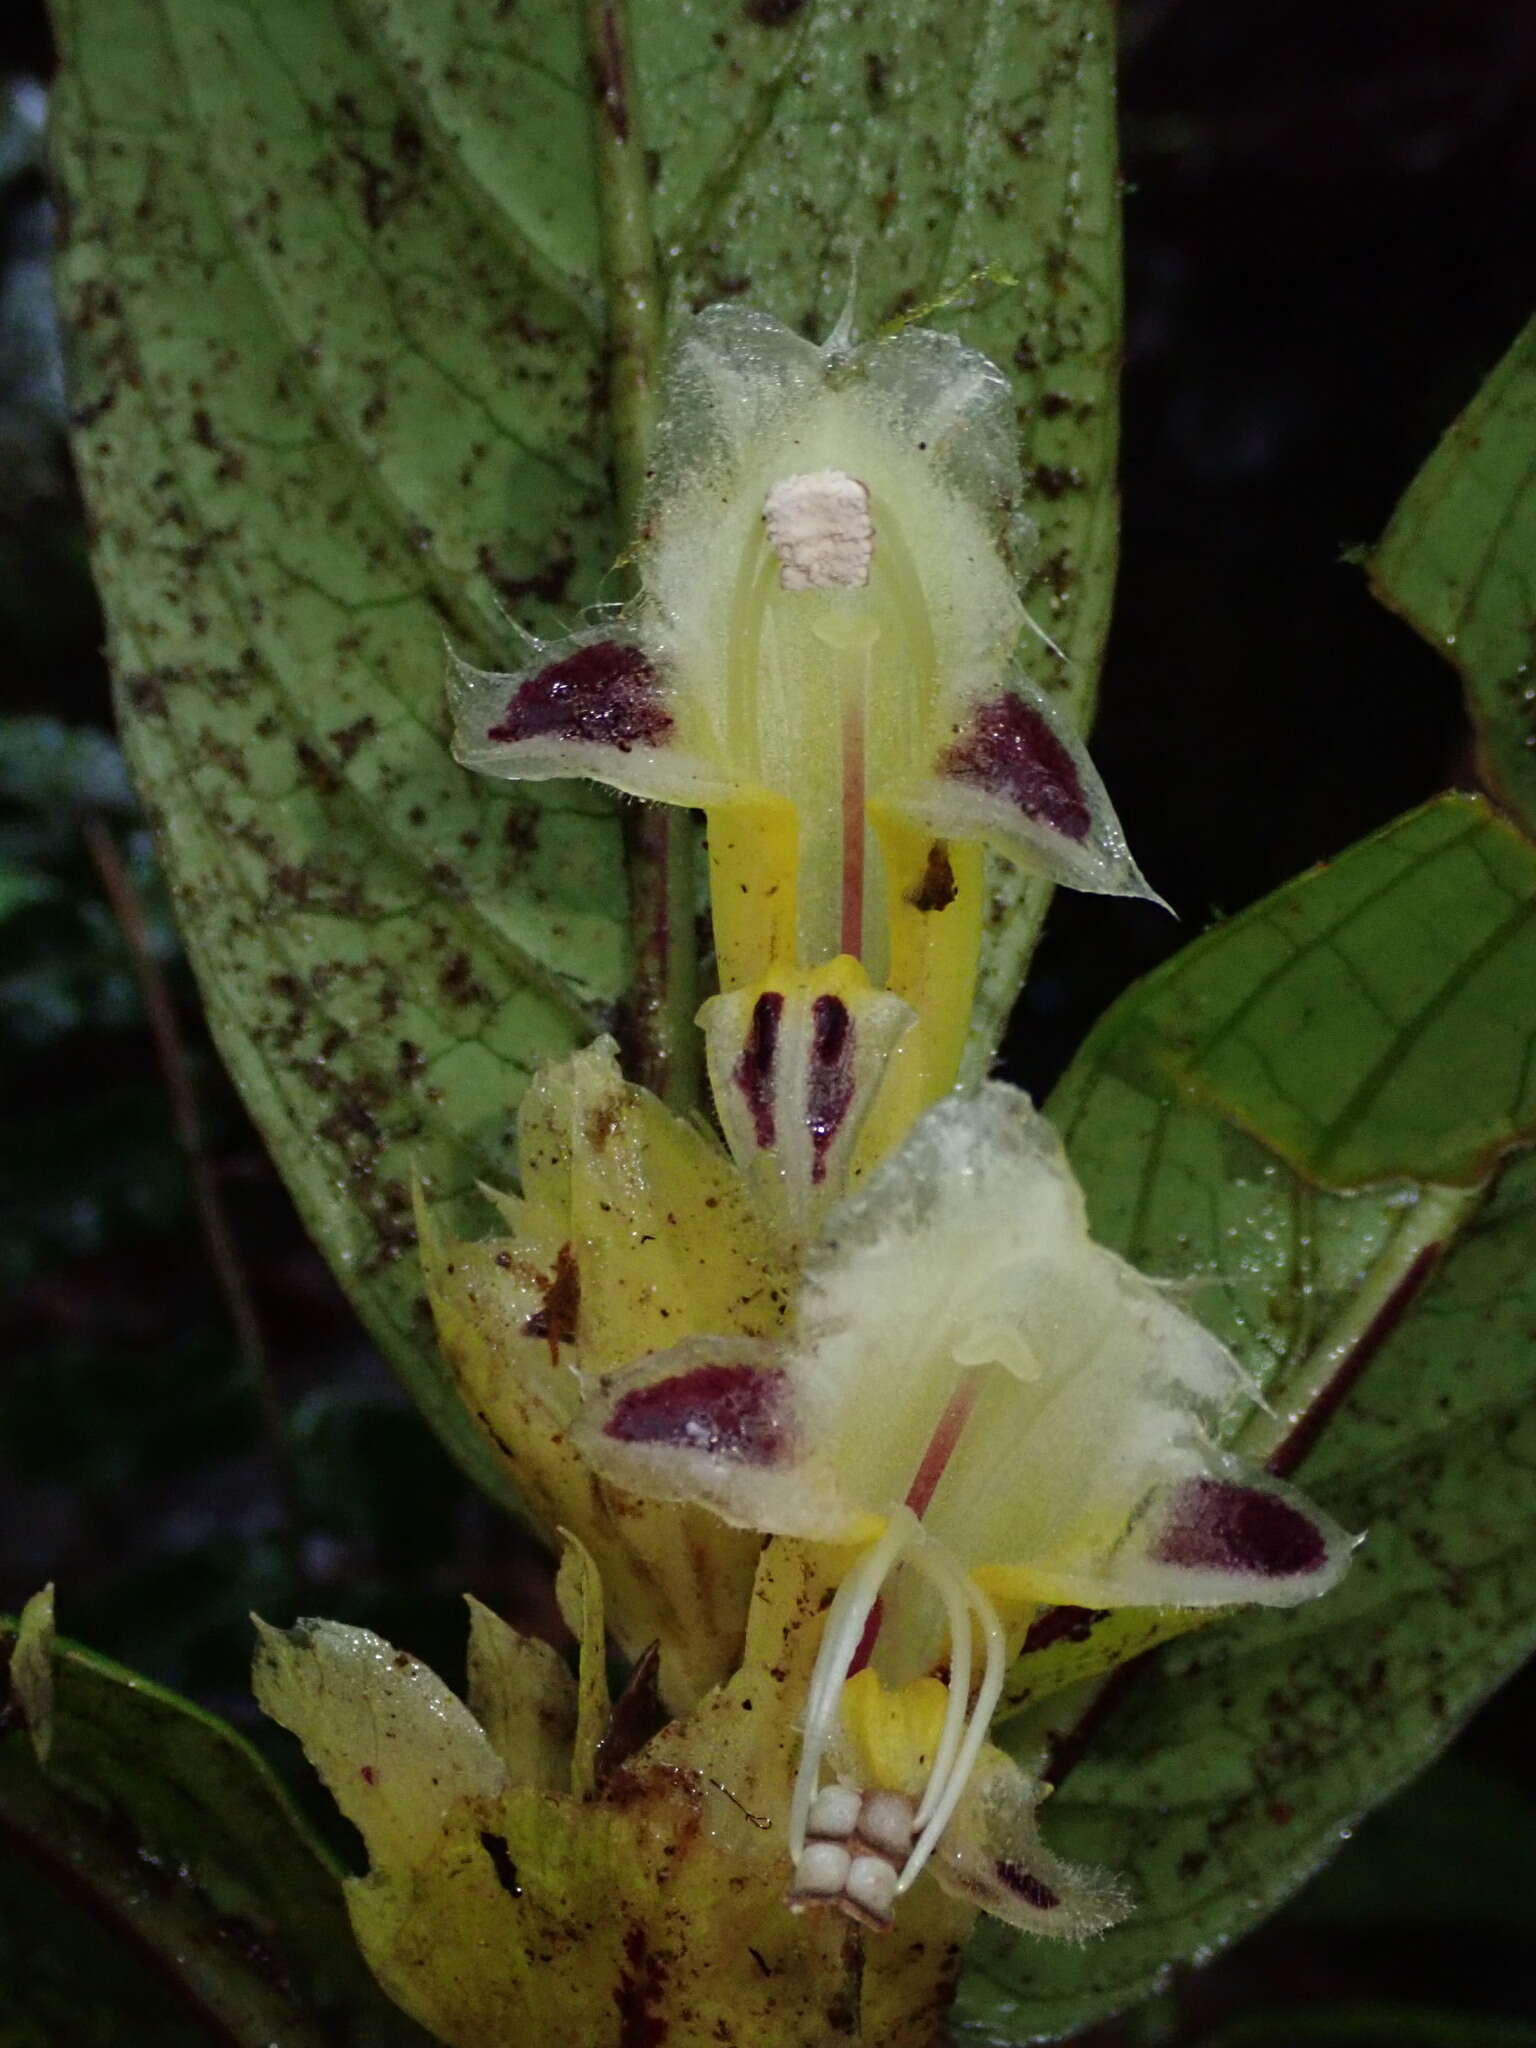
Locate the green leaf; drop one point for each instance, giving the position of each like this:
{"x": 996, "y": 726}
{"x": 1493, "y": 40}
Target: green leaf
{"x": 32, "y": 1662}
{"x": 156, "y": 1884}
{"x": 335, "y": 278}
{"x": 1459, "y": 562}
{"x": 1332, "y": 1021}
{"x": 1229, "y": 1766}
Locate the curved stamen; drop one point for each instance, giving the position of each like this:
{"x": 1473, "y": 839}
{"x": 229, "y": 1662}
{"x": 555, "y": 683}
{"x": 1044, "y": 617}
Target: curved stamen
{"x": 840, "y": 1641}
{"x": 959, "y": 1691}
{"x": 965, "y": 1723}
{"x": 987, "y": 1696}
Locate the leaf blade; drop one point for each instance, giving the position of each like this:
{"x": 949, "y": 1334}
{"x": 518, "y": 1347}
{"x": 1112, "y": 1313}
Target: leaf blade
{"x": 278, "y": 669}
{"x": 1230, "y": 1764}
{"x": 1456, "y": 562}
{"x": 160, "y": 1851}
{"x": 339, "y": 344}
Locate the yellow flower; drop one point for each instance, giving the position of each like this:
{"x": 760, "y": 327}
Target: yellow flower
{"x": 1003, "y": 1415}
{"x": 635, "y": 1232}
{"x": 824, "y": 656}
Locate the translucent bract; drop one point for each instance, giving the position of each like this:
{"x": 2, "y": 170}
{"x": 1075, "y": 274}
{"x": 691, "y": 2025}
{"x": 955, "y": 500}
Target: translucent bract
{"x": 828, "y": 655}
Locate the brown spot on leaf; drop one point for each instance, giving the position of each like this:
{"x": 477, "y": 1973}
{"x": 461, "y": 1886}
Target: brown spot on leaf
{"x": 1052, "y": 482}
{"x": 346, "y": 739}
{"x": 603, "y": 1119}
{"x": 548, "y": 584}
{"x": 457, "y": 980}
{"x": 146, "y": 693}
{"x": 495, "y": 1846}
{"x": 642, "y": 2021}
{"x": 382, "y": 189}
{"x": 316, "y": 769}
{"x": 1061, "y": 1625}
{"x": 405, "y": 141}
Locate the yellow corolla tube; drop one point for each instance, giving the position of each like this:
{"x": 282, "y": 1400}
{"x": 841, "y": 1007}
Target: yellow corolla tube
{"x": 824, "y": 657}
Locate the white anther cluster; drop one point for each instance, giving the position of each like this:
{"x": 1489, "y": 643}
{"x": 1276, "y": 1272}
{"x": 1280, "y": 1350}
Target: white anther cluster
{"x": 856, "y": 1846}
{"x": 819, "y": 526}
{"x": 969, "y": 1615}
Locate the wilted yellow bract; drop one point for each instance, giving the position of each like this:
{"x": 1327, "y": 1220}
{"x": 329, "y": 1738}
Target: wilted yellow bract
{"x": 512, "y": 1897}
{"x": 637, "y": 1225}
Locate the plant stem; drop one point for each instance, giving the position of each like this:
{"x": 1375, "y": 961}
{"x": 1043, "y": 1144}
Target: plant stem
{"x": 1280, "y": 1436}
{"x": 213, "y": 1217}
{"x": 658, "y": 848}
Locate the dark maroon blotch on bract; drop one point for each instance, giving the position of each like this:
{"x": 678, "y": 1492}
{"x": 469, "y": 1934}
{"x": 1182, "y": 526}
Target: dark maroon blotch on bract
{"x": 605, "y": 695}
{"x": 1026, "y": 1886}
{"x": 753, "y": 1073}
{"x": 731, "y": 1411}
{"x": 829, "y": 1080}
{"x": 1219, "y": 1525}
{"x": 1009, "y": 751}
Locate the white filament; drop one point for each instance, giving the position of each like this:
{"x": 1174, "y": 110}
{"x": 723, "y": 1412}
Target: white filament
{"x": 846, "y": 1619}
{"x": 944, "y": 1583}
{"x": 987, "y": 1697}
{"x": 966, "y": 1610}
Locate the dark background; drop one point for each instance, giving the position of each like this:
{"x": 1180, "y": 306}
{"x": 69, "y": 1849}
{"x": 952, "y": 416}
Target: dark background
{"x": 1328, "y": 223}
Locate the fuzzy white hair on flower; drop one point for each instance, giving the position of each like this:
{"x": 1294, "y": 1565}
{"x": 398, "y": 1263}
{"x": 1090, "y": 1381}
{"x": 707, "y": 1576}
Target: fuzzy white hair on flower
{"x": 999, "y": 1414}
{"x": 826, "y": 656}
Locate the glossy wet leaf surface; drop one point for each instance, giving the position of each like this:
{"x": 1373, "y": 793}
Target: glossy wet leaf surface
{"x": 1459, "y": 562}
{"x": 333, "y": 272}
{"x": 1226, "y": 1769}
{"x": 334, "y": 284}
{"x": 156, "y": 1884}
{"x": 1371, "y": 1024}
